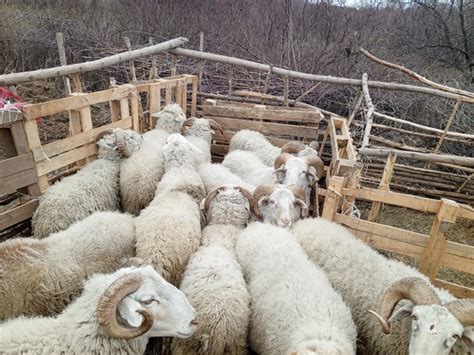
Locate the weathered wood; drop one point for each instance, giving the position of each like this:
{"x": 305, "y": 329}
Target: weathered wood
{"x": 307, "y": 92}
{"x": 463, "y": 185}
{"x": 313, "y": 77}
{"x": 457, "y": 290}
{"x": 370, "y": 111}
{"x": 285, "y": 91}
{"x": 134, "y": 104}
{"x": 384, "y": 185}
{"x": 201, "y": 62}
{"x": 420, "y": 126}
{"x": 17, "y": 214}
{"x": 402, "y": 146}
{"x": 359, "y": 99}
{"x": 194, "y": 91}
{"x": 41, "y": 74}
{"x": 16, "y": 165}
{"x": 433, "y": 252}
{"x": 131, "y": 62}
{"x": 63, "y": 60}
{"x": 333, "y": 197}
{"x": 416, "y": 76}
{"x": 153, "y": 71}
{"x": 77, "y": 85}
{"x": 174, "y": 60}
{"x": 231, "y": 74}
{"x": 114, "y": 110}
{"x": 11, "y": 183}
{"x": 168, "y": 93}
{"x": 419, "y": 156}
{"x": 448, "y": 126}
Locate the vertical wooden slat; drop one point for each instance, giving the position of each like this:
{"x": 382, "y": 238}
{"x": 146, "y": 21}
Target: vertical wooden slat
{"x": 114, "y": 110}
{"x": 124, "y": 110}
{"x": 179, "y": 94}
{"x": 333, "y": 197}
{"x": 201, "y": 62}
{"x": 356, "y": 109}
{"x": 384, "y": 185}
{"x": 174, "y": 59}
{"x": 76, "y": 80}
{"x": 168, "y": 90}
{"x": 231, "y": 75}
{"x": 153, "y": 72}
{"x": 63, "y": 61}
{"x": 131, "y": 63}
{"x": 32, "y": 135}
{"x": 434, "y": 249}
{"x": 285, "y": 93}
{"x": 134, "y": 103}
{"x": 86, "y": 118}
{"x": 194, "y": 96}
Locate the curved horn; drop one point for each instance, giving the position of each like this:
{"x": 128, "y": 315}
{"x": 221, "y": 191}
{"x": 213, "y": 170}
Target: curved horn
{"x": 107, "y": 309}
{"x": 293, "y": 147}
{"x": 314, "y": 145}
{"x": 259, "y": 192}
{"x": 463, "y": 310}
{"x": 187, "y": 124}
{"x": 216, "y": 125}
{"x": 206, "y": 203}
{"x": 249, "y": 196}
{"x": 415, "y": 289}
{"x": 300, "y": 195}
{"x": 121, "y": 145}
{"x": 316, "y": 163}
{"x": 281, "y": 160}
{"x": 102, "y": 134}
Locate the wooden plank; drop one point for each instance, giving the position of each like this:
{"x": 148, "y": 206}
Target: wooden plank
{"x": 267, "y": 128}
{"x": 168, "y": 89}
{"x": 179, "y": 95}
{"x": 6, "y": 142}
{"x": 194, "y": 96}
{"x": 300, "y": 116}
{"x": 16, "y": 164}
{"x": 114, "y": 110}
{"x": 134, "y": 104}
{"x": 332, "y": 138}
{"x": 466, "y": 212}
{"x": 444, "y": 219}
{"x": 13, "y": 182}
{"x": 55, "y": 148}
{"x": 86, "y": 118}
{"x": 384, "y": 185}
{"x": 17, "y": 214}
{"x": 124, "y": 108}
{"x": 457, "y": 290}
{"x": 333, "y": 197}
{"x": 44, "y": 167}
{"x": 76, "y": 80}
{"x": 394, "y": 198}
{"x": 31, "y": 131}
{"x": 75, "y": 102}
{"x": 63, "y": 60}
{"x": 219, "y": 149}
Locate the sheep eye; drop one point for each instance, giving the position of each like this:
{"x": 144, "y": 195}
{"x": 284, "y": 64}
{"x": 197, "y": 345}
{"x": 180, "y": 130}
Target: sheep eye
{"x": 148, "y": 302}
{"x": 415, "y": 318}
{"x": 456, "y": 336}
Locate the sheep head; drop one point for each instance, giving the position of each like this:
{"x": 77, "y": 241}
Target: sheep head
{"x": 228, "y": 204}
{"x": 113, "y": 141}
{"x": 147, "y": 303}
{"x": 435, "y": 327}
{"x": 170, "y": 118}
{"x": 201, "y": 127}
{"x": 280, "y": 205}
{"x": 302, "y": 171}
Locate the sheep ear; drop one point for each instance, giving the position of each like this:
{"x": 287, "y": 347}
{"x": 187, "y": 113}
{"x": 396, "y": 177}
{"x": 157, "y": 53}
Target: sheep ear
{"x": 468, "y": 337}
{"x": 128, "y": 308}
{"x": 401, "y": 312}
{"x": 311, "y": 174}
{"x": 303, "y": 207}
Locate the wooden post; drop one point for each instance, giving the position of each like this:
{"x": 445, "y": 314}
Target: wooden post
{"x": 231, "y": 74}
{"x": 434, "y": 249}
{"x": 63, "y": 61}
{"x": 384, "y": 185}
{"x": 153, "y": 71}
{"x": 154, "y": 104}
{"x": 370, "y": 111}
{"x": 465, "y": 183}
{"x": 285, "y": 94}
{"x": 333, "y": 197}
{"x": 267, "y": 81}
{"x": 173, "y": 64}
{"x": 32, "y": 135}
{"x": 351, "y": 182}
{"x": 132, "y": 64}
{"x": 114, "y": 110}
{"x": 360, "y": 97}
{"x": 201, "y": 62}
{"x": 194, "y": 97}
{"x": 76, "y": 80}
{"x": 134, "y": 103}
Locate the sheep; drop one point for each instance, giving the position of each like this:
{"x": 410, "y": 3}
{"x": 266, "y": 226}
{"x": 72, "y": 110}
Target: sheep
{"x": 215, "y": 175}
{"x": 303, "y": 171}
{"x": 168, "y": 231}
{"x": 94, "y": 323}
{"x": 249, "y": 167}
{"x": 140, "y": 173}
{"x": 294, "y": 309}
{"x": 299, "y": 149}
{"x": 40, "y": 277}
{"x": 213, "y": 280}
{"x": 94, "y": 188}
{"x": 280, "y": 205}
{"x": 198, "y": 131}
{"x": 369, "y": 281}
{"x": 255, "y": 142}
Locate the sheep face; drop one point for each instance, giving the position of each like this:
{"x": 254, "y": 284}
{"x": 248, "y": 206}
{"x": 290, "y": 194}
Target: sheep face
{"x": 296, "y": 172}
{"x": 280, "y": 205}
{"x": 172, "y": 313}
{"x": 434, "y": 329}
{"x": 118, "y": 143}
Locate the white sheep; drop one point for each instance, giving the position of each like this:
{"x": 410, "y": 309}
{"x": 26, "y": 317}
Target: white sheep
{"x": 116, "y": 314}
{"x": 255, "y": 142}
{"x": 280, "y": 205}
{"x": 168, "y": 231}
{"x": 40, "y": 277}
{"x": 369, "y": 281}
{"x": 215, "y": 175}
{"x": 213, "y": 280}
{"x": 294, "y": 309}
{"x": 93, "y": 188}
{"x": 249, "y": 167}
{"x": 140, "y": 173}
{"x": 198, "y": 131}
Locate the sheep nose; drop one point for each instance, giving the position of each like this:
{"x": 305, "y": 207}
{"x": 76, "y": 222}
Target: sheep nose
{"x": 194, "y": 322}
{"x": 285, "y": 221}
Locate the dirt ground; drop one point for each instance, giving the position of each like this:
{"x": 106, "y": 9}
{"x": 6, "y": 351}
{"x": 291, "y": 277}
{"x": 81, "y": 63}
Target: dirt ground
{"x": 462, "y": 232}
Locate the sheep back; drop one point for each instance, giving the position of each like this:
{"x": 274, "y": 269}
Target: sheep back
{"x": 256, "y": 142}
{"x": 249, "y": 167}
{"x": 215, "y": 175}
{"x": 94, "y": 188}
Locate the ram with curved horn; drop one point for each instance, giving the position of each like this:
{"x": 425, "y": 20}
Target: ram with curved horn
{"x": 116, "y": 313}
{"x": 300, "y": 149}
{"x": 93, "y": 188}
{"x": 414, "y": 317}
{"x": 279, "y": 204}
{"x": 199, "y": 131}
{"x": 213, "y": 279}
